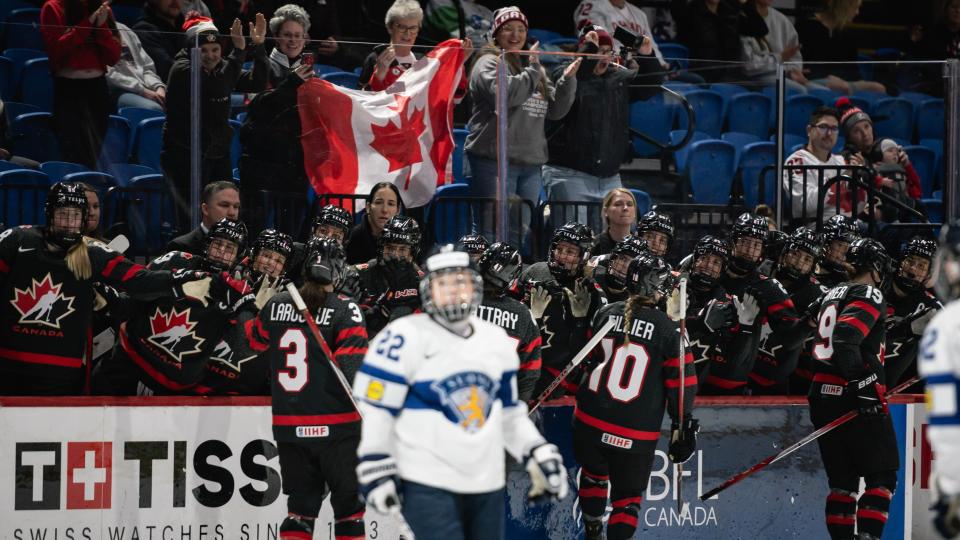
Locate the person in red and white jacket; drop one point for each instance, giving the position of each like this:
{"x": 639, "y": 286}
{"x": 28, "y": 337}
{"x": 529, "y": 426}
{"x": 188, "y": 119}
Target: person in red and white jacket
{"x": 804, "y": 185}
{"x": 81, "y": 40}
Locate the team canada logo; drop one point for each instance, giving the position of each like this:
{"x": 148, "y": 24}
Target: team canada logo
{"x": 173, "y": 332}
{"x": 467, "y": 398}
{"x": 42, "y": 303}
{"x": 224, "y": 354}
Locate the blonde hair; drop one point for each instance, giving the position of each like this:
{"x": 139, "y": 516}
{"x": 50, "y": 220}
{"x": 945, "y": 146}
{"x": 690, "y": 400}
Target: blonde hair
{"x": 840, "y": 12}
{"x": 78, "y": 259}
{"x": 608, "y": 200}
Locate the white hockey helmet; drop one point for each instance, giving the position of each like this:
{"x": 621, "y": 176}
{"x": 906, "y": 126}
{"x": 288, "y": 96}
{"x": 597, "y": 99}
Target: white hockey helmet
{"x": 445, "y": 289}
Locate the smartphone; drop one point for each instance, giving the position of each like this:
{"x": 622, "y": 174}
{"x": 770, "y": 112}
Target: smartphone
{"x": 307, "y": 59}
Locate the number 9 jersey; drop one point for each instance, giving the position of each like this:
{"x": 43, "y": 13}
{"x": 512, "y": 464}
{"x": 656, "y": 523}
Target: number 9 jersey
{"x": 309, "y": 404}
{"x": 939, "y": 364}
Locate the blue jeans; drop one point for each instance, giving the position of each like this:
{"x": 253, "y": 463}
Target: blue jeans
{"x": 438, "y": 514}
{"x": 523, "y": 181}
{"x": 128, "y": 99}
{"x": 564, "y": 184}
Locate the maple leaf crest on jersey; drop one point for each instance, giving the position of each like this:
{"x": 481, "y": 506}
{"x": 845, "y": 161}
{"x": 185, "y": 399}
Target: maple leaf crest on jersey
{"x": 467, "y": 398}
{"x": 42, "y": 303}
{"x": 173, "y": 332}
{"x": 225, "y": 355}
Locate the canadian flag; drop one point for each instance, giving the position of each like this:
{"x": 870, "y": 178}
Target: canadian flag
{"x": 354, "y": 139}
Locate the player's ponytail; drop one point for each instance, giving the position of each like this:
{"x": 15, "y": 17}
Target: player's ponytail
{"x": 314, "y": 295}
{"x": 78, "y": 259}
{"x": 631, "y": 304}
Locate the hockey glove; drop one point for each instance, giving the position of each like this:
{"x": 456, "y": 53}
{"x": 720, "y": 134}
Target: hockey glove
{"x": 579, "y": 299}
{"x": 379, "y": 483}
{"x": 547, "y": 474}
{"x": 191, "y": 284}
{"x": 539, "y": 300}
{"x": 683, "y": 440}
{"x": 919, "y": 324}
{"x": 404, "y": 282}
{"x": 812, "y": 312}
{"x": 869, "y": 395}
{"x": 268, "y": 288}
{"x": 718, "y": 315}
{"x": 747, "y": 310}
{"x": 231, "y": 294}
{"x": 946, "y": 512}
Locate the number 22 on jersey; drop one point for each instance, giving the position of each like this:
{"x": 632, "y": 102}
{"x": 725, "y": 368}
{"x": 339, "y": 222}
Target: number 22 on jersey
{"x": 628, "y": 366}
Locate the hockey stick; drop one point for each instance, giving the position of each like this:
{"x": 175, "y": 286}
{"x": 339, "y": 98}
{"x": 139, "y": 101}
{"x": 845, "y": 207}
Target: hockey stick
{"x": 683, "y": 369}
{"x": 120, "y": 244}
{"x": 604, "y": 330}
{"x": 799, "y": 444}
{"x": 302, "y": 308}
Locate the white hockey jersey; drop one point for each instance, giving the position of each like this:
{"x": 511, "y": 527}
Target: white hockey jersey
{"x": 609, "y": 16}
{"x": 442, "y": 405}
{"x": 806, "y": 183}
{"x": 939, "y": 364}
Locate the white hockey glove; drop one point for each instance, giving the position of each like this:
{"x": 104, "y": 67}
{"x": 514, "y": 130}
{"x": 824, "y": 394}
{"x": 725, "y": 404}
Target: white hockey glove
{"x": 379, "y": 483}
{"x": 547, "y": 473}
{"x": 918, "y": 325}
{"x": 747, "y": 310}
{"x": 579, "y": 299}
{"x": 198, "y": 289}
{"x": 268, "y": 288}
{"x": 539, "y": 300}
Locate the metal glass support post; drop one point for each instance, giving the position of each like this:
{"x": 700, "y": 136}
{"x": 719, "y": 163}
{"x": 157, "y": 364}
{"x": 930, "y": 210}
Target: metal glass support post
{"x": 781, "y": 100}
{"x": 502, "y": 160}
{"x": 196, "y": 67}
{"x": 951, "y": 141}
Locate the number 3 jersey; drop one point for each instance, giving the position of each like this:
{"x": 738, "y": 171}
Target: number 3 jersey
{"x": 622, "y": 398}
{"x": 309, "y": 403}
{"x": 849, "y": 341}
{"x": 443, "y": 405}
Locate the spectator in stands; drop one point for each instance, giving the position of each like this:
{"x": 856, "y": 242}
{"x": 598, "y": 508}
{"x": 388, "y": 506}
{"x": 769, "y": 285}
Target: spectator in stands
{"x": 711, "y": 31}
{"x": 594, "y": 137}
{"x": 81, "y": 40}
{"x": 857, "y": 128}
{"x": 160, "y": 30}
{"x": 324, "y": 24}
{"x": 387, "y": 62}
{"x": 941, "y": 41}
{"x": 383, "y": 203}
{"x": 804, "y": 185}
{"x": 532, "y": 99}
{"x": 5, "y": 152}
{"x": 824, "y": 40}
{"x": 219, "y": 200}
{"x": 885, "y": 156}
{"x": 271, "y": 132}
{"x": 613, "y": 13}
{"x": 443, "y": 20}
{"x": 133, "y": 81}
{"x": 619, "y": 219}
{"x": 762, "y": 54}
{"x": 218, "y": 79}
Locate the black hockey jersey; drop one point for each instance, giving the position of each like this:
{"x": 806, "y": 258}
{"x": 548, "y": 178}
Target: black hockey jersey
{"x": 373, "y": 292}
{"x": 234, "y": 367}
{"x": 849, "y": 341}
{"x": 704, "y": 345}
{"x": 170, "y": 341}
{"x": 906, "y": 315}
{"x": 309, "y": 404}
{"x": 516, "y": 319}
{"x": 45, "y": 319}
{"x": 776, "y": 362}
{"x": 562, "y": 334}
{"x": 622, "y": 399}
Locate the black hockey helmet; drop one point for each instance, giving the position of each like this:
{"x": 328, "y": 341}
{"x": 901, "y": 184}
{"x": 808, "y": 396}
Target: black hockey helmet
{"x": 325, "y": 263}
{"x": 923, "y": 248}
{"x": 708, "y": 245}
{"x": 747, "y": 225}
{"x": 574, "y": 233}
{"x": 334, "y": 216}
{"x": 448, "y": 260}
{"x": 228, "y": 229}
{"x": 654, "y": 221}
{"x": 839, "y": 227}
{"x": 946, "y": 265}
{"x": 646, "y": 275}
{"x": 275, "y": 240}
{"x": 803, "y": 239}
{"x": 774, "y": 244}
{"x": 869, "y": 255}
{"x": 400, "y": 230}
{"x": 499, "y": 266}
{"x": 629, "y": 248}
{"x": 62, "y": 195}
{"x": 473, "y": 244}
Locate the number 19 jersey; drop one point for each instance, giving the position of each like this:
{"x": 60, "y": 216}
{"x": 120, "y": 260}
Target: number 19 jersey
{"x": 849, "y": 341}
{"x": 309, "y": 403}
{"x": 622, "y": 399}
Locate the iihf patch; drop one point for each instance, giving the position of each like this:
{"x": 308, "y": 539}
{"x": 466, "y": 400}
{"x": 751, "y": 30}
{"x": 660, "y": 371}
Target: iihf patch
{"x": 467, "y": 398}
{"x": 619, "y": 442}
{"x": 831, "y": 390}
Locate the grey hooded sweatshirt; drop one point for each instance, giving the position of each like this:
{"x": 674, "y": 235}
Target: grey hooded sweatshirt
{"x": 135, "y": 71}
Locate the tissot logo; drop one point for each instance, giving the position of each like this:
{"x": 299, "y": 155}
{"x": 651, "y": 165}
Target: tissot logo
{"x": 39, "y": 475}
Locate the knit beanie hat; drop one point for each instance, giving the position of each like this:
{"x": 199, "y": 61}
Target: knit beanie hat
{"x": 202, "y": 27}
{"x": 850, "y": 115}
{"x": 506, "y": 14}
{"x": 603, "y": 36}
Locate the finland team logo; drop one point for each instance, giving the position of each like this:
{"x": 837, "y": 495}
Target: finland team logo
{"x": 467, "y": 398}
{"x": 42, "y": 303}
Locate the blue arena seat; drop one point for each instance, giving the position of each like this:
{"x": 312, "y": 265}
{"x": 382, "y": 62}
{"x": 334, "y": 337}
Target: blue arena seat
{"x": 708, "y": 112}
{"x": 654, "y": 117}
{"x": 680, "y": 156}
{"x": 893, "y": 118}
{"x": 343, "y": 78}
{"x": 450, "y": 219}
{"x": 124, "y": 172}
{"x": 149, "y": 142}
{"x": 753, "y": 159}
{"x": 36, "y": 85}
{"x": 116, "y": 144}
{"x": 749, "y": 113}
{"x": 13, "y": 109}
{"x": 33, "y": 137}
{"x": 56, "y": 170}
{"x": 459, "y": 140}
{"x": 924, "y": 161}
{"x": 97, "y": 180}
{"x": 134, "y": 116}
{"x": 643, "y": 201}
{"x": 930, "y": 119}
{"x": 22, "y": 194}
{"x": 675, "y": 54}
{"x": 739, "y": 141}
{"x": 711, "y": 170}
{"x": 149, "y": 213}
{"x": 798, "y": 113}
{"x": 22, "y": 29}
{"x": 7, "y": 82}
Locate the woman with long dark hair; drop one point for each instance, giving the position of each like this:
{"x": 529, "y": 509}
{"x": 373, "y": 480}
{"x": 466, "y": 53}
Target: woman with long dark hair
{"x": 81, "y": 40}
{"x": 383, "y": 203}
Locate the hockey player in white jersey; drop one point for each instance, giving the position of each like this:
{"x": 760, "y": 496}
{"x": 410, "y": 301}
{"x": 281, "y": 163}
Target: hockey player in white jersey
{"x": 939, "y": 364}
{"x": 438, "y": 394}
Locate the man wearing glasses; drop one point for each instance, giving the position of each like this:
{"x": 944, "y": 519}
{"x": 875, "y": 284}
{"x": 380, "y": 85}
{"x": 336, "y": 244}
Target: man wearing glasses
{"x": 804, "y": 185}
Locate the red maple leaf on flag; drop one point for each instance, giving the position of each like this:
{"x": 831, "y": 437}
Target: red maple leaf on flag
{"x": 400, "y": 144}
